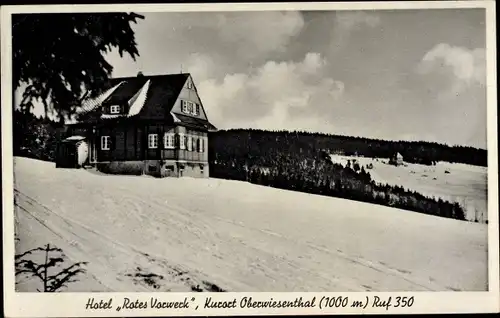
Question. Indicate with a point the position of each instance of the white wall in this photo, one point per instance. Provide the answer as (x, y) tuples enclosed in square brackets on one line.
[(83, 152)]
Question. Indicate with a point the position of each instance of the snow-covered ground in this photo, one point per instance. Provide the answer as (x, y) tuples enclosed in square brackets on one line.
[(236, 236), (464, 184)]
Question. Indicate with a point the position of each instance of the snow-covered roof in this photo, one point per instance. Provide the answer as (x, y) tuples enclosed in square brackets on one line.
[(142, 94), (176, 120), (74, 138), (109, 116), (137, 105), (92, 103)]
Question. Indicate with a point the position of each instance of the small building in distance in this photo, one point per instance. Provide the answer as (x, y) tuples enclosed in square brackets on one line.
[(396, 160)]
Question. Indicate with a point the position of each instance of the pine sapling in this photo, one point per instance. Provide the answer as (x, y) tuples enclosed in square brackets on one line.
[(53, 257)]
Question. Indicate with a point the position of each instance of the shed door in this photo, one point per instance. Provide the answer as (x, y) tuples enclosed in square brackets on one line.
[(67, 155), (92, 150)]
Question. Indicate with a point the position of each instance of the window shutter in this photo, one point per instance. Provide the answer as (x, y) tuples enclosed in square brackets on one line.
[(112, 142), (176, 141), (197, 109), (184, 106)]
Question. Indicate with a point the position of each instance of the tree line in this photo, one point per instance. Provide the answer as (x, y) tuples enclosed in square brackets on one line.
[(300, 162), (34, 137), (254, 143)]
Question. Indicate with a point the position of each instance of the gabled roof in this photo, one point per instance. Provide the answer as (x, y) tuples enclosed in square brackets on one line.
[(144, 92)]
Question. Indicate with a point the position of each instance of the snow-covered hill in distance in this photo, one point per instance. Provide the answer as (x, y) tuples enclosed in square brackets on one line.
[(453, 182), (145, 234)]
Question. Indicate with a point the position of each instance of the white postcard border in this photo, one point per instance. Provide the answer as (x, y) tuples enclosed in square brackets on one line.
[(73, 304)]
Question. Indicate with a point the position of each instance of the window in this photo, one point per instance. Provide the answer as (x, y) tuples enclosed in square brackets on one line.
[(184, 105), (105, 142), (152, 141), (115, 109), (201, 145), (190, 143), (182, 141), (189, 84), (168, 141), (188, 107)]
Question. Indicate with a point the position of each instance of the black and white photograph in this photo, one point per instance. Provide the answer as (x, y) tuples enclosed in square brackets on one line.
[(288, 150)]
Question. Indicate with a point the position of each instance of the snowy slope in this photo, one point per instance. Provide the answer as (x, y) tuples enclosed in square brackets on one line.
[(464, 184), (237, 236)]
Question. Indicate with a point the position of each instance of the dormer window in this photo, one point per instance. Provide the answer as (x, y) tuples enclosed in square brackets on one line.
[(115, 109)]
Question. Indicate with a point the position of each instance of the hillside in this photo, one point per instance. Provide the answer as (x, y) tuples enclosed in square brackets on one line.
[(215, 234), (464, 184), (296, 161)]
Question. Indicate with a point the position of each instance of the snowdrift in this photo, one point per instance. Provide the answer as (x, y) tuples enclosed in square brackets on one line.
[(210, 234)]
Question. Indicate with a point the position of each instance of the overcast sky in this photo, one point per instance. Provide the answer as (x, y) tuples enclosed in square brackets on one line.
[(413, 75)]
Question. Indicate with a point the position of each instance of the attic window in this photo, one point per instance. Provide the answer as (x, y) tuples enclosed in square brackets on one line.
[(115, 109), (189, 84), (184, 106), (190, 108)]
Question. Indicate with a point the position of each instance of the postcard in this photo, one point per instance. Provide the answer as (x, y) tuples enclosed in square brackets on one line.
[(250, 159)]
